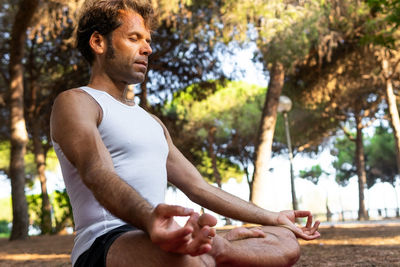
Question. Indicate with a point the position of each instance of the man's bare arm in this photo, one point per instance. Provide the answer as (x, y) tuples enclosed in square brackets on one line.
[(74, 123), (186, 177)]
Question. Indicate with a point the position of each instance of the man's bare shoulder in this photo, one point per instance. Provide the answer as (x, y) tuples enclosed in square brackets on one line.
[(75, 100), (72, 108), (72, 95)]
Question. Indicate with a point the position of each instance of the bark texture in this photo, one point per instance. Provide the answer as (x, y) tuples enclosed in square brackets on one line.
[(361, 173), (211, 151), (266, 132), (393, 111), (40, 159), (19, 136)]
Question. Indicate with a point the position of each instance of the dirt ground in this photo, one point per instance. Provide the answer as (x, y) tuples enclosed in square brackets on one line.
[(340, 245)]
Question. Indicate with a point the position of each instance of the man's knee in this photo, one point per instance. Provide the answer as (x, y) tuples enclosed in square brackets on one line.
[(135, 249), (289, 245)]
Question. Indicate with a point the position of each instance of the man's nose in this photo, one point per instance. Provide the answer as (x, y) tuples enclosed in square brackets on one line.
[(146, 49)]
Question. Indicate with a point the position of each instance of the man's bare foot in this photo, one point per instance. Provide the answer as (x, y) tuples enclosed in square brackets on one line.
[(243, 233), (255, 247)]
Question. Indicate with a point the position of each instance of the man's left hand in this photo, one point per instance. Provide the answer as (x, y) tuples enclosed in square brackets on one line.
[(287, 219)]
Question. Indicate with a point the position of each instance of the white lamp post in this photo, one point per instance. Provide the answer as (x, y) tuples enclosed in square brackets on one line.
[(285, 105)]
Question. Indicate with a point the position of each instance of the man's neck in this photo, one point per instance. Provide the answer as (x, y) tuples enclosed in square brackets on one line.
[(120, 91)]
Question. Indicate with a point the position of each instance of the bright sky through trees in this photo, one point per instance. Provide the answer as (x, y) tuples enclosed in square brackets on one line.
[(310, 196)]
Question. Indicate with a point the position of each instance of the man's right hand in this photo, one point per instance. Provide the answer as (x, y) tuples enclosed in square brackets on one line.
[(194, 238)]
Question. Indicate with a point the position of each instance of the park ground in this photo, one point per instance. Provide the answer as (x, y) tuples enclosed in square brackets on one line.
[(354, 244)]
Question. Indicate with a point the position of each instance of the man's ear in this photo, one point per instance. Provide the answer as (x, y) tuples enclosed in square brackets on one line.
[(98, 43)]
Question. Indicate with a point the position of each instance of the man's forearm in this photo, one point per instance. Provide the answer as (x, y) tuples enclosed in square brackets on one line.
[(118, 197), (231, 206)]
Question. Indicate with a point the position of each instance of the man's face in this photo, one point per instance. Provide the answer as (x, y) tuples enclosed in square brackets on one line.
[(126, 58)]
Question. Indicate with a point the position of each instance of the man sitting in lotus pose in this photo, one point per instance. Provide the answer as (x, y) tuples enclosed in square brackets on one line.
[(116, 160)]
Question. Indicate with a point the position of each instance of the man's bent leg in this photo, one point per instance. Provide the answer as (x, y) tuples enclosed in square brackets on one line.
[(278, 248), (135, 248)]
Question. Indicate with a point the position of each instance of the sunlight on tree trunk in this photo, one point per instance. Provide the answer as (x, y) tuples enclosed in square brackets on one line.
[(360, 163), (40, 159), (19, 136), (213, 156), (249, 182), (393, 111), (266, 133)]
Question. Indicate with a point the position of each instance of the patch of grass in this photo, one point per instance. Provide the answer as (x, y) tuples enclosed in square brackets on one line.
[(5, 209), (4, 235)]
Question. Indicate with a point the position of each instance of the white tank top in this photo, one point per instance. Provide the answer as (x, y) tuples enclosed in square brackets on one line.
[(139, 151)]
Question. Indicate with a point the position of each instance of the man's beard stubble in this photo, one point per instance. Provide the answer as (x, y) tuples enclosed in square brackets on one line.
[(110, 54)]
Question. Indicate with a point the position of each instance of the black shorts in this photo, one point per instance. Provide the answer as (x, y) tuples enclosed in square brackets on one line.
[(96, 255)]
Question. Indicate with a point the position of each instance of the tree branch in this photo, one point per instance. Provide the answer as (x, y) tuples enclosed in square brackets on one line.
[(347, 133)]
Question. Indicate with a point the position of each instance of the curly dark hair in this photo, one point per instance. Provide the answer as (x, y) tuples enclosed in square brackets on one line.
[(103, 16)]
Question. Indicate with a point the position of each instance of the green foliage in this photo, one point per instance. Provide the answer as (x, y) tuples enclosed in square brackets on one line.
[(232, 109), (34, 210), (381, 157), (5, 209), (235, 107), (389, 8), (4, 228), (62, 210), (385, 20), (30, 165), (309, 129), (344, 150), (313, 174), (51, 160), (286, 30), (4, 156), (227, 168)]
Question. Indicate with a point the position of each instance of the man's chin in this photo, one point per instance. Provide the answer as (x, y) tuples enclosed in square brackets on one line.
[(136, 78)]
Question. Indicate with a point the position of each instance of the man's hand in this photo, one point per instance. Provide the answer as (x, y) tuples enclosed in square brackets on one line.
[(287, 219), (194, 238)]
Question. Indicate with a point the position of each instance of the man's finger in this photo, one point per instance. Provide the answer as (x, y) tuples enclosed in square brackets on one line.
[(302, 213), (207, 219), (165, 210), (309, 221), (192, 221), (174, 236), (258, 232), (201, 250), (201, 242), (315, 227), (212, 233)]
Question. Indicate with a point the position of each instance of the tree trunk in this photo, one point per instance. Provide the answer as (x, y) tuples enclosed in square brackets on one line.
[(289, 144), (34, 122), (40, 159), (397, 200), (266, 132), (393, 112), (19, 136), (211, 152), (361, 173), (249, 182)]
